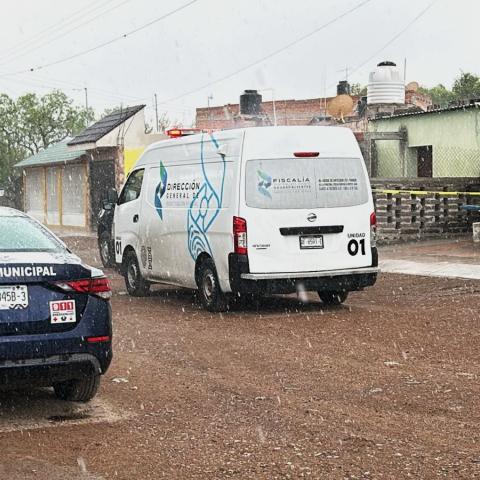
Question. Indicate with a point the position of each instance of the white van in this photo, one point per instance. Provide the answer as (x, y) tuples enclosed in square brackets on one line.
[(249, 211)]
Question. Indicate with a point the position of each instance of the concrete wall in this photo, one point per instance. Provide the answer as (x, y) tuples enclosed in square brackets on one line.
[(454, 136)]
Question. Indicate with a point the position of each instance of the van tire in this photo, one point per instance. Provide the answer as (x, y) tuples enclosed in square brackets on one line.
[(332, 297), (78, 390), (104, 246), (136, 285), (211, 296)]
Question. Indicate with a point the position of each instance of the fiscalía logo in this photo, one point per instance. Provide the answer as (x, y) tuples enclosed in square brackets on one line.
[(264, 183), (160, 190)]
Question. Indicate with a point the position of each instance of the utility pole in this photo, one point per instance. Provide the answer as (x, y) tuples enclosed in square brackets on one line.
[(156, 112), (86, 99), (210, 97)]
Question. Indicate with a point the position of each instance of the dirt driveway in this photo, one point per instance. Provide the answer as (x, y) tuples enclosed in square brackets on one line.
[(386, 386)]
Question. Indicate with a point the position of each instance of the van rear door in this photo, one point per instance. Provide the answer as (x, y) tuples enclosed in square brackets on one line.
[(307, 214)]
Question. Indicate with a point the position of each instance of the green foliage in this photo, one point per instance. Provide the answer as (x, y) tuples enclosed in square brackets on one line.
[(32, 123), (358, 89), (465, 87), (440, 94)]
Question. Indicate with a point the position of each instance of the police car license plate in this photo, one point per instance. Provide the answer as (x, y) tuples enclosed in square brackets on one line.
[(63, 311), (14, 297), (311, 241)]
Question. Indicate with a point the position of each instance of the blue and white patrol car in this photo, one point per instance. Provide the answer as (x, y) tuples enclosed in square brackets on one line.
[(55, 315)]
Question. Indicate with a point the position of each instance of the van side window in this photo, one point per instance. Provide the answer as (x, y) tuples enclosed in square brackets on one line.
[(133, 187)]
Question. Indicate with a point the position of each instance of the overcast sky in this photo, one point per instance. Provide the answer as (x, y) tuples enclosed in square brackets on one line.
[(211, 39)]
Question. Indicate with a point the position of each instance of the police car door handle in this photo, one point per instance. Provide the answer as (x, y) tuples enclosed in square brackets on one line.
[(135, 218)]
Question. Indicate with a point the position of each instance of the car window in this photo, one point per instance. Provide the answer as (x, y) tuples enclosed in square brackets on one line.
[(22, 234), (133, 186), (305, 183)]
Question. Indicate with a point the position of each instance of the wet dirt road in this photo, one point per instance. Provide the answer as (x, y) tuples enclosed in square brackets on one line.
[(386, 386)]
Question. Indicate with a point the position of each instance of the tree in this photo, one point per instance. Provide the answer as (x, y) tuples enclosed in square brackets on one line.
[(357, 89), (32, 123), (440, 95), (466, 86)]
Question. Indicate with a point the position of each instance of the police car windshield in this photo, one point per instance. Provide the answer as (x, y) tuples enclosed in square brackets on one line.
[(21, 234)]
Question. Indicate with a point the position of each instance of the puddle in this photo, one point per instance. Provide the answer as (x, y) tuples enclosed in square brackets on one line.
[(28, 410)]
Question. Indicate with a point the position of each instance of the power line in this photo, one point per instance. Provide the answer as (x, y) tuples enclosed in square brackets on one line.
[(104, 44), (397, 35), (49, 84), (53, 28), (76, 27), (272, 54)]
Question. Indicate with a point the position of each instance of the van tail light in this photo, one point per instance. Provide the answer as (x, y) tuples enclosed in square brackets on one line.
[(99, 286), (240, 235), (306, 154), (373, 229)]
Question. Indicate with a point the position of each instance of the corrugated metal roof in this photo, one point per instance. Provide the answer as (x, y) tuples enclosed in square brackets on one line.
[(475, 104), (57, 153), (99, 129)]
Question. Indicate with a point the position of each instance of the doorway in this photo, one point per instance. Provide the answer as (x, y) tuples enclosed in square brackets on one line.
[(424, 161)]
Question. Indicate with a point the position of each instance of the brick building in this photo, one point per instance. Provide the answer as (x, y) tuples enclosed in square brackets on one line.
[(287, 112), (311, 111)]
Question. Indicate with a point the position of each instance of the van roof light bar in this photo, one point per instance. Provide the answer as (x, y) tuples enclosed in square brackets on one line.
[(182, 132)]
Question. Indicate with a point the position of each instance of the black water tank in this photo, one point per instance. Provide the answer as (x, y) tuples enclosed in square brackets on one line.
[(250, 102), (343, 88), (387, 63)]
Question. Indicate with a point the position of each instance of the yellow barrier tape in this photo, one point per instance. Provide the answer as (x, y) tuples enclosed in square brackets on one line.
[(425, 192)]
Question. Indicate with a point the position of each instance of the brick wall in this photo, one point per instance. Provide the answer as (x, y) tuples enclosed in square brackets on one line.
[(288, 112)]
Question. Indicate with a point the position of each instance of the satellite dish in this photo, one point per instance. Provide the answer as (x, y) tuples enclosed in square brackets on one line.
[(412, 87), (340, 107)]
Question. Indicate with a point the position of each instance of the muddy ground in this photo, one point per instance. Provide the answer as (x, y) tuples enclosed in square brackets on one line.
[(386, 386)]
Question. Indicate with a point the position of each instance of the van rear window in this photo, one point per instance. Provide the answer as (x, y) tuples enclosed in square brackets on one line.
[(305, 183)]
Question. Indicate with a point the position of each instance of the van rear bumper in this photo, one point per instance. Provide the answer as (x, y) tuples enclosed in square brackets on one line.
[(326, 273), (242, 281)]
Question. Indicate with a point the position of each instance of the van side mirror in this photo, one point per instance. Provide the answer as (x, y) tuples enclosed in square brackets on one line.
[(106, 205)]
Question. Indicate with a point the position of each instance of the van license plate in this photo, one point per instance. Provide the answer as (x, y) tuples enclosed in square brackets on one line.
[(13, 297), (311, 241)]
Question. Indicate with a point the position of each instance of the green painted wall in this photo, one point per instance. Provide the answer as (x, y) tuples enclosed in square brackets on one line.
[(454, 136)]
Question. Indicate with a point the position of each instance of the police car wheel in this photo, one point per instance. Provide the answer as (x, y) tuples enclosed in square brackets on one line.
[(211, 296), (136, 285), (104, 245), (333, 298), (78, 390)]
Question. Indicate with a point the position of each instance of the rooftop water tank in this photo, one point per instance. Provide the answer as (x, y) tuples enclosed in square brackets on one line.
[(385, 85), (250, 102)]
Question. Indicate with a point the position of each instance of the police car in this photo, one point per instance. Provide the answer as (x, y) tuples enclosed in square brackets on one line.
[(55, 316)]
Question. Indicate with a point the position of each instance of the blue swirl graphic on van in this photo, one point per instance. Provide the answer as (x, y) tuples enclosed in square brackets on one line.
[(264, 183), (205, 207), (160, 190)]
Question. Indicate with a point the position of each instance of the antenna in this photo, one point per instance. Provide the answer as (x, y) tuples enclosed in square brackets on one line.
[(346, 72)]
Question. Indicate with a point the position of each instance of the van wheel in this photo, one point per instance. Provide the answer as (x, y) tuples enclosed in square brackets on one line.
[(136, 285), (104, 245), (78, 390), (333, 298), (212, 298)]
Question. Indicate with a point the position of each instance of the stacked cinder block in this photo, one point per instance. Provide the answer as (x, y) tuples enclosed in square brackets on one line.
[(405, 214)]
